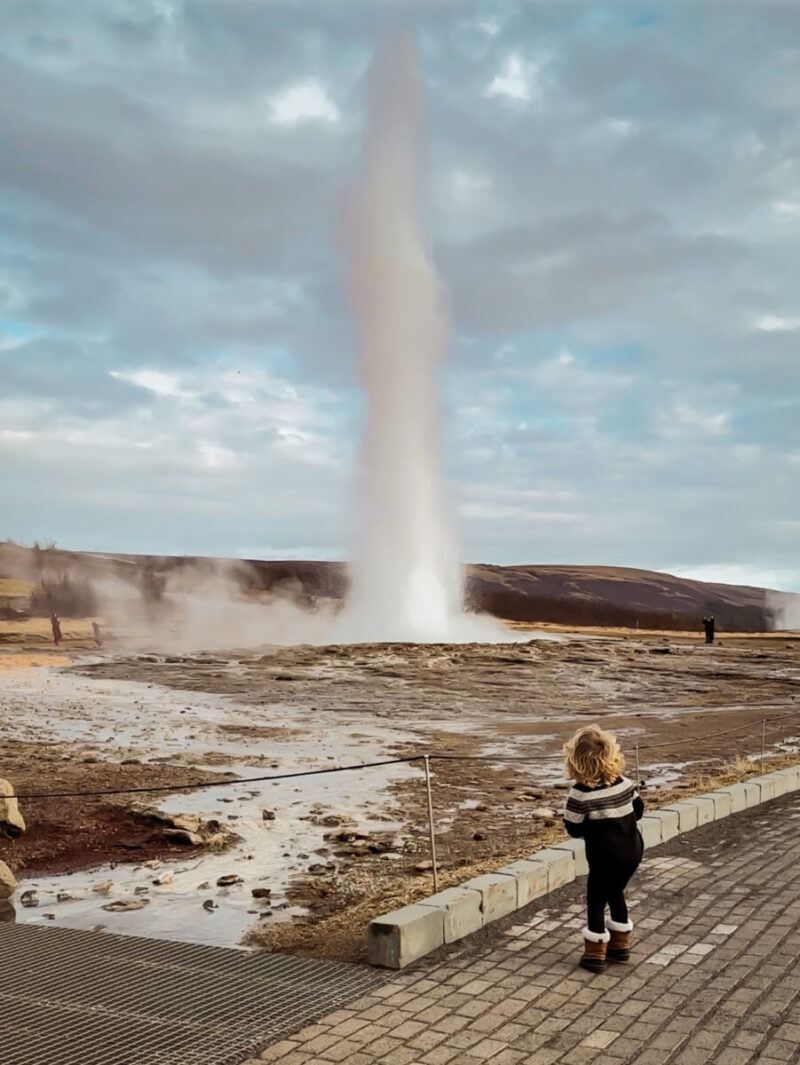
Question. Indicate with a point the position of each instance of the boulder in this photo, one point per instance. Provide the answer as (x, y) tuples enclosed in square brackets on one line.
[(12, 822), (8, 882)]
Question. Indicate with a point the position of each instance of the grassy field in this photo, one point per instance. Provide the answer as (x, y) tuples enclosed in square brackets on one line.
[(34, 631), (666, 634)]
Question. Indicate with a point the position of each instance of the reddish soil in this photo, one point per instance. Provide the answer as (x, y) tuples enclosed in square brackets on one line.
[(64, 835)]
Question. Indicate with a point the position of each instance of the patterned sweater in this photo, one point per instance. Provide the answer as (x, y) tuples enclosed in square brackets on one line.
[(605, 817)]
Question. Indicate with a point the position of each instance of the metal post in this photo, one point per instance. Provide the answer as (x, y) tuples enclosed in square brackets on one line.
[(638, 776), (430, 823), (763, 731)]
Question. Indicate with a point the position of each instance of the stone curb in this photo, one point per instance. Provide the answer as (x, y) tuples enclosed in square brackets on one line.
[(399, 938)]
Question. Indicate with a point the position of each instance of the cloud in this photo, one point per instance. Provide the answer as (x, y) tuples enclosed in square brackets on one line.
[(518, 80), (776, 323), (611, 201), (305, 101)]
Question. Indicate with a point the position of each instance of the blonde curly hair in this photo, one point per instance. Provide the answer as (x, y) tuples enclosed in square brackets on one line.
[(593, 757)]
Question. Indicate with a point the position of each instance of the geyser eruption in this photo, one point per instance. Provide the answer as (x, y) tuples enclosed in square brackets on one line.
[(406, 576)]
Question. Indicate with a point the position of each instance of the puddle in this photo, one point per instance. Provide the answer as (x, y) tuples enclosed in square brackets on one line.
[(658, 774), (119, 719)]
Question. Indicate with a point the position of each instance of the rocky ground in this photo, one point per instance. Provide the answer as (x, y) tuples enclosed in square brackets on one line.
[(63, 835), (335, 850)]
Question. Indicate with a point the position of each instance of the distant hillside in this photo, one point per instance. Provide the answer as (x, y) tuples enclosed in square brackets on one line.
[(612, 595), (569, 595)]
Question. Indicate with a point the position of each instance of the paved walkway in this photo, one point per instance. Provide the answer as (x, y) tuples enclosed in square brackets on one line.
[(715, 975)]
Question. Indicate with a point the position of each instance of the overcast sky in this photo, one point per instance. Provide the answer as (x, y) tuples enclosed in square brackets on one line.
[(613, 200)]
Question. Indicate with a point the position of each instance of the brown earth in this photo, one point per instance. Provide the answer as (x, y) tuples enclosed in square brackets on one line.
[(505, 701), (64, 835), (505, 709)]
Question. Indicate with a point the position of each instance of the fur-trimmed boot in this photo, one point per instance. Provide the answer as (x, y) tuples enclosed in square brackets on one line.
[(619, 945), (594, 950)]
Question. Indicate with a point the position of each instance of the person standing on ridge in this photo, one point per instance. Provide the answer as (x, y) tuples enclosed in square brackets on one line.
[(55, 625), (708, 625)]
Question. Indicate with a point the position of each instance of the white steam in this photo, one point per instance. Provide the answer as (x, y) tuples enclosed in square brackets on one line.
[(407, 582), (785, 607)]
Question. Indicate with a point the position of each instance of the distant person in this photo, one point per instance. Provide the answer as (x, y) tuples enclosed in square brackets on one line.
[(98, 635), (55, 625), (708, 625), (602, 809)]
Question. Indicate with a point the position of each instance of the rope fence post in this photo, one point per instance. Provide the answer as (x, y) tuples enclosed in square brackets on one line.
[(430, 823), (763, 740)]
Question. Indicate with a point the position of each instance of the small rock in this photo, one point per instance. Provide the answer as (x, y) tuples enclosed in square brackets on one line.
[(164, 879), (317, 868), (481, 807), (141, 890), (478, 836), (131, 761), (261, 893), (303, 857), (183, 835), (154, 863), (267, 815), (423, 867), (29, 898), (49, 916), (126, 905), (209, 905), (228, 880), (64, 896), (204, 886), (8, 882), (104, 887)]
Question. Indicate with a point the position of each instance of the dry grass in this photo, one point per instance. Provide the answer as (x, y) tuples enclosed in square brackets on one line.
[(14, 589), (38, 631), (663, 634)]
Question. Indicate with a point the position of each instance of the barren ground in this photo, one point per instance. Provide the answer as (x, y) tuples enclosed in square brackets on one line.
[(284, 709)]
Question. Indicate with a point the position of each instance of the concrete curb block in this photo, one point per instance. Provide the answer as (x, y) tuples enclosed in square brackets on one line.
[(462, 909), (398, 938), (498, 893)]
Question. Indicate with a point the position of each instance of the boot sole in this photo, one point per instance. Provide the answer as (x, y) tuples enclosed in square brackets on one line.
[(592, 965), (621, 956)]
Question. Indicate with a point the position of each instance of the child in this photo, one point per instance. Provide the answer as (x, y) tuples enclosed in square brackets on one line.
[(602, 808)]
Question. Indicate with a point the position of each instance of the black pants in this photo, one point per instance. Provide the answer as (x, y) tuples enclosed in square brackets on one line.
[(606, 886)]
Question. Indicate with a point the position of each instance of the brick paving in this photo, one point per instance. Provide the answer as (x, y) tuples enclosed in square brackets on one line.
[(715, 975)]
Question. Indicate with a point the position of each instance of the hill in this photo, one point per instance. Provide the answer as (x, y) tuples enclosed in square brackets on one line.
[(568, 595)]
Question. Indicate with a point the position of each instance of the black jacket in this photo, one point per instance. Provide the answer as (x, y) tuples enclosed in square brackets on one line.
[(605, 817)]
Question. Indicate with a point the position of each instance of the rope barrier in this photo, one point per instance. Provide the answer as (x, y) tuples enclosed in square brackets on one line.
[(714, 735), (198, 784)]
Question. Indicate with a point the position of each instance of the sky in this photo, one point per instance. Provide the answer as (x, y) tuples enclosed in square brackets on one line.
[(612, 199)]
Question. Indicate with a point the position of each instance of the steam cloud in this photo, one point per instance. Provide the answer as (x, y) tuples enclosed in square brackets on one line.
[(407, 582)]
